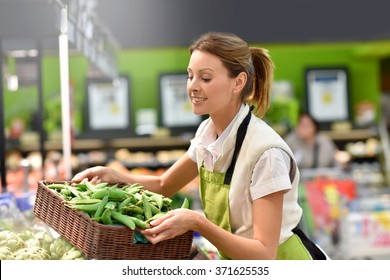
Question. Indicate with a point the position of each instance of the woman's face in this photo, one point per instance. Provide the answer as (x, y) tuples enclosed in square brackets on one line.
[(209, 86), (306, 129)]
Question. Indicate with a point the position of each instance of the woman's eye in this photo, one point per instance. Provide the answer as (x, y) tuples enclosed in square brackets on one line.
[(206, 80)]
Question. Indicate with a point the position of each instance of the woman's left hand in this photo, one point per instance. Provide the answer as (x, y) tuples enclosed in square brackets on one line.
[(172, 224)]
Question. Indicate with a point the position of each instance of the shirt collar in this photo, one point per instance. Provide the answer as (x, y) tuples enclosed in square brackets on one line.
[(214, 146)]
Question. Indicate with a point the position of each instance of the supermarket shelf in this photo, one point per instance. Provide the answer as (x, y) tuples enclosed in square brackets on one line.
[(351, 135), (57, 145), (138, 143), (147, 143), (164, 142)]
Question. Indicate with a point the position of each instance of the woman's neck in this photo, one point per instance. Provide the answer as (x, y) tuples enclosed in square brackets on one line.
[(222, 119)]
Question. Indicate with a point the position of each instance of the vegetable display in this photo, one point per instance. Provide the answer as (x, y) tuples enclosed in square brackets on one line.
[(129, 205), (28, 245)]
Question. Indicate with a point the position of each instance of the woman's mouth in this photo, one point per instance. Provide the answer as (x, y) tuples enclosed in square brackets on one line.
[(198, 99)]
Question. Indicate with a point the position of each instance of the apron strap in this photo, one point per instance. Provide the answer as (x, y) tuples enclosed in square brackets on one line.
[(313, 249), (241, 132), (315, 155)]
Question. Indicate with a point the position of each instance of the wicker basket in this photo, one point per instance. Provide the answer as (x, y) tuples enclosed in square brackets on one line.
[(99, 241)]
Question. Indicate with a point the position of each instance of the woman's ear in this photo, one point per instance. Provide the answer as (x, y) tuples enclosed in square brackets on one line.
[(240, 82)]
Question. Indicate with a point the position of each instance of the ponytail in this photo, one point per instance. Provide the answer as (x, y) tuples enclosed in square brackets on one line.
[(262, 80)]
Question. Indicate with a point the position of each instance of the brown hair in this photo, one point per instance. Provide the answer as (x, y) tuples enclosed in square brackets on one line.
[(238, 57)]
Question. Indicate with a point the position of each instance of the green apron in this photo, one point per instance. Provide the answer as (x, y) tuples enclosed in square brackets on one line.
[(214, 194)]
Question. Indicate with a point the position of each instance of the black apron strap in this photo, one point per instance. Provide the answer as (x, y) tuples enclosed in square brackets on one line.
[(241, 132), (313, 249), (315, 155)]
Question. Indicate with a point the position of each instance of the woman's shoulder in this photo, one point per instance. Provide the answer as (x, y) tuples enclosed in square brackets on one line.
[(326, 142), (322, 137), (261, 124), (261, 129), (274, 153)]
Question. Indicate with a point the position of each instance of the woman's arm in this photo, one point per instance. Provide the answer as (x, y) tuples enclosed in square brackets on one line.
[(267, 217), (176, 177)]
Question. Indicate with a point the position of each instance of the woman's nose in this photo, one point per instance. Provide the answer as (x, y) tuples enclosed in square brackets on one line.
[(192, 85)]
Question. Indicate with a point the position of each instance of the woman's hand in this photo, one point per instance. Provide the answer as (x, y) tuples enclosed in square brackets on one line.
[(99, 174), (172, 224)]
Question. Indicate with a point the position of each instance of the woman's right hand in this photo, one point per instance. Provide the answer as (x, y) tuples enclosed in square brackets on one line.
[(99, 174), (173, 223)]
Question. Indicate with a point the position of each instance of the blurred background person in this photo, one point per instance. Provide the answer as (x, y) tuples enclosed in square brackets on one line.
[(312, 149)]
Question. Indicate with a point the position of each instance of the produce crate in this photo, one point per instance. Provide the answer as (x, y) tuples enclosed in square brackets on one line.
[(99, 241)]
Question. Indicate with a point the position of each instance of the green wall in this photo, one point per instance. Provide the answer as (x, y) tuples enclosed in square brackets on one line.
[(143, 67), (364, 73)]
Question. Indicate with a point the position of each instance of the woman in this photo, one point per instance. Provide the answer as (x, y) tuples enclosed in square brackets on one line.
[(248, 176), (311, 148)]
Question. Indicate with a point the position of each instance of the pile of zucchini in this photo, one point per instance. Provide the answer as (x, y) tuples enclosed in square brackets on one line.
[(129, 205)]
